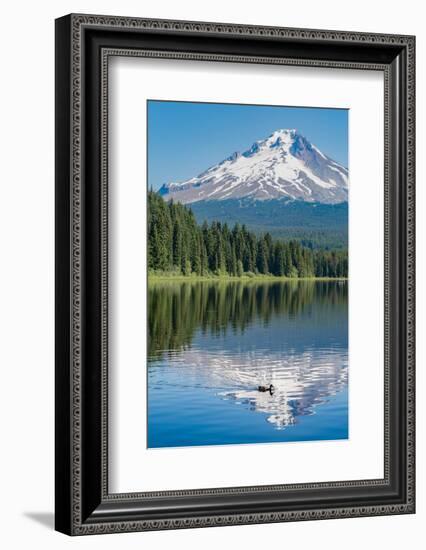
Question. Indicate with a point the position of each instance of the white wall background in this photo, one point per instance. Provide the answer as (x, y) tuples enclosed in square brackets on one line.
[(26, 288)]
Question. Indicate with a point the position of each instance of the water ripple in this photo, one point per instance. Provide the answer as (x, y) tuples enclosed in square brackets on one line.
[(211, 345), (301, 381)]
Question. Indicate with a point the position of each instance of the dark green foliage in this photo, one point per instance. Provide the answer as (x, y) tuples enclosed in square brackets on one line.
[(240, 269), (262, 264), (177, 243), (314, 225)]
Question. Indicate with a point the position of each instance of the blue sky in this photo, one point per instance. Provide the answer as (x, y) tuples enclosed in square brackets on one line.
[(185, 138)]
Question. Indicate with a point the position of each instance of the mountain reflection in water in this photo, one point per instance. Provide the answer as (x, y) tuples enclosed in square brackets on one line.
[(212, 343)]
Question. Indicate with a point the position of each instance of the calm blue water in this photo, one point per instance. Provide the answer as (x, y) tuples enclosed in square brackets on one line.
[(212, 344)]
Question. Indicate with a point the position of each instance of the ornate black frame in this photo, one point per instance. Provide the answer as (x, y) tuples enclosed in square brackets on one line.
[(83, 46)]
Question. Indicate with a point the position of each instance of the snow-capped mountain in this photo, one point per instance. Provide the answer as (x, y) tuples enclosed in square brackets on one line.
[(284, 165)]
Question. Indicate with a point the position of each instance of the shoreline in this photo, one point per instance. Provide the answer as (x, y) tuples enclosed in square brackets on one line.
[(152, 279)]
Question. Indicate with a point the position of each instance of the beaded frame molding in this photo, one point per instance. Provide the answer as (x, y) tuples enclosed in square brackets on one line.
[(84, 44)]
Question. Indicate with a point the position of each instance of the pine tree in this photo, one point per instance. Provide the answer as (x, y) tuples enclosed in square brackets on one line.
[(177, 244), (176, 241), (262, 256), (240, 270), (279, 259)]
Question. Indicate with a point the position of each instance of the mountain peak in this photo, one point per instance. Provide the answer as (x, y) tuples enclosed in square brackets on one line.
[(285, 164), (284, 132)]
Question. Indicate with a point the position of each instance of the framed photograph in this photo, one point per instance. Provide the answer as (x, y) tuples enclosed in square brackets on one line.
[(234, 274)]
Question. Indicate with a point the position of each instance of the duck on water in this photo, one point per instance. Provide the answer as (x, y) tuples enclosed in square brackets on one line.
[(269, 389)]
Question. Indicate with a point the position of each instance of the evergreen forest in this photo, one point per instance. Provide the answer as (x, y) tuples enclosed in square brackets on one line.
[(179, 245)]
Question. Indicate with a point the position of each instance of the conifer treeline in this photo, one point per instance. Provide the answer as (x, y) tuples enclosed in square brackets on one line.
[(177, 243)]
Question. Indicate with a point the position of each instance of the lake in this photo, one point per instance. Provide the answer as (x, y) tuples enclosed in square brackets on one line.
[(212, 344)]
